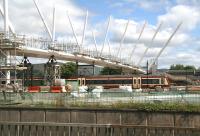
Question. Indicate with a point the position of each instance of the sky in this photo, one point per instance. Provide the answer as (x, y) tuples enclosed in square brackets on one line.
[(183, 49)]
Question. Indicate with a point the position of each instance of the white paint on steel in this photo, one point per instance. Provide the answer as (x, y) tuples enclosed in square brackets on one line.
[(95, 42), (166, 44), (6, 27), (6, 32), (40, 53), (122, 39), (106, 34), (53, 26), (84, 29), (44, 22), (11, 28), (109, 48), (133, 50), (147, 48), (72, 27)]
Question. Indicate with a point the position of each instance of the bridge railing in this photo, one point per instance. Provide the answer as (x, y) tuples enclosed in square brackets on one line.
[(71, 48)]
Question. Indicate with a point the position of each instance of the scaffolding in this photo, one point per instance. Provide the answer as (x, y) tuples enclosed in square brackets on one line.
[(52, 71), (8, 62)]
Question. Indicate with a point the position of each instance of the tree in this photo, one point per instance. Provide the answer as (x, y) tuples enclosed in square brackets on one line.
[(182, 67), (68, 69), (177, 67), (188, 67), (110, 71)]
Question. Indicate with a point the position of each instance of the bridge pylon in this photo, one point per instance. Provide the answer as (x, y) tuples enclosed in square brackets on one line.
[(52, 71)]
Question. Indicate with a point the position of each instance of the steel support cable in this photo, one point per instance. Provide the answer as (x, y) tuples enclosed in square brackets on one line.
[(106, 34), (147, 48), (166, 44), (133, 50)]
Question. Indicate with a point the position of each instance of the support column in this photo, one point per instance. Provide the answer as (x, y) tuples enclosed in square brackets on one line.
[(6, 33), (7, 64), (6, 27)]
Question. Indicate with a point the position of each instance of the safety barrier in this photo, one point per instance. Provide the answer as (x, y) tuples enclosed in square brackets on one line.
[(34, 89), (56, 89)]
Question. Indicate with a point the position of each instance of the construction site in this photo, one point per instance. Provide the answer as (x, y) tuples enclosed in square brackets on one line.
[(139, 101)]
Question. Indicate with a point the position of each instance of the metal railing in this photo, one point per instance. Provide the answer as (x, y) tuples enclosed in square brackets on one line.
[(71, 48)]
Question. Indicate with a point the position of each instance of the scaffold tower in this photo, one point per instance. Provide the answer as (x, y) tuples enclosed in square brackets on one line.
[(52, 71), (8, 60)]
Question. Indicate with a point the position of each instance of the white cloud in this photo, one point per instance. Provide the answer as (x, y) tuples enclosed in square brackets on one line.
[(151, 5), (189, 15), (25, 19)]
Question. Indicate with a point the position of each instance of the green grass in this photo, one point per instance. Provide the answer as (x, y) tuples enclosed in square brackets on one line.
[(174, 107), (142, 106)]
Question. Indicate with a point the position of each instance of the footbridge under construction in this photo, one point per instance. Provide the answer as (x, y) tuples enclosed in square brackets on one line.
[(42, 48), (13, 45)]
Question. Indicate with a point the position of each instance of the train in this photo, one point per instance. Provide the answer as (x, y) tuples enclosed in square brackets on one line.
[(114, 81), (106, 81)]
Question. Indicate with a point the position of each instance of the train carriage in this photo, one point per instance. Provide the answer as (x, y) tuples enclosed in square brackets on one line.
[(109, 81), (116, 81)]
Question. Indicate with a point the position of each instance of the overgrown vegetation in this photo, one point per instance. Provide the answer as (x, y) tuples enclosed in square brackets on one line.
[(144, 106), (110, 71), (150, 107), (68, 69), (182, 67)]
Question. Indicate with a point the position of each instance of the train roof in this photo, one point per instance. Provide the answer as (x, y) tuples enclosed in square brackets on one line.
[(116, 76)]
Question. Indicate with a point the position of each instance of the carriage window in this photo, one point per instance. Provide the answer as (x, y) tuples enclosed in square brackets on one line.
[(150, 81), (138, 81), (126, 81), (134, 81)]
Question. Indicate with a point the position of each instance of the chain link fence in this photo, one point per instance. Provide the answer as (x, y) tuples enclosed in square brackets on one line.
[(103, 98)]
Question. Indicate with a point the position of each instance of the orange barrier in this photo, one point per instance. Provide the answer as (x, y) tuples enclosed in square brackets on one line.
[(56, 89), (34, 89)]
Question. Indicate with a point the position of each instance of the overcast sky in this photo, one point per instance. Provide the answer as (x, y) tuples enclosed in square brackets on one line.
[(183, 49)]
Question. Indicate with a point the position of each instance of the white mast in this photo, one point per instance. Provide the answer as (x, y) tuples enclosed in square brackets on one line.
[(167, 43), (109, 49), (6, 33), (106, 34), (132, 52), (45, 24), (6, 27), (122, 39), (95, 42), (11, 28), (53, 27), (72, 27), (84, 29), (147, 48)]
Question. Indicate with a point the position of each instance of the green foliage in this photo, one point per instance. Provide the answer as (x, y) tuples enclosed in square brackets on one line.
[(69, 69), (37, 73), (142, 106), (182, 67), (110, 71), (188, 67)]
